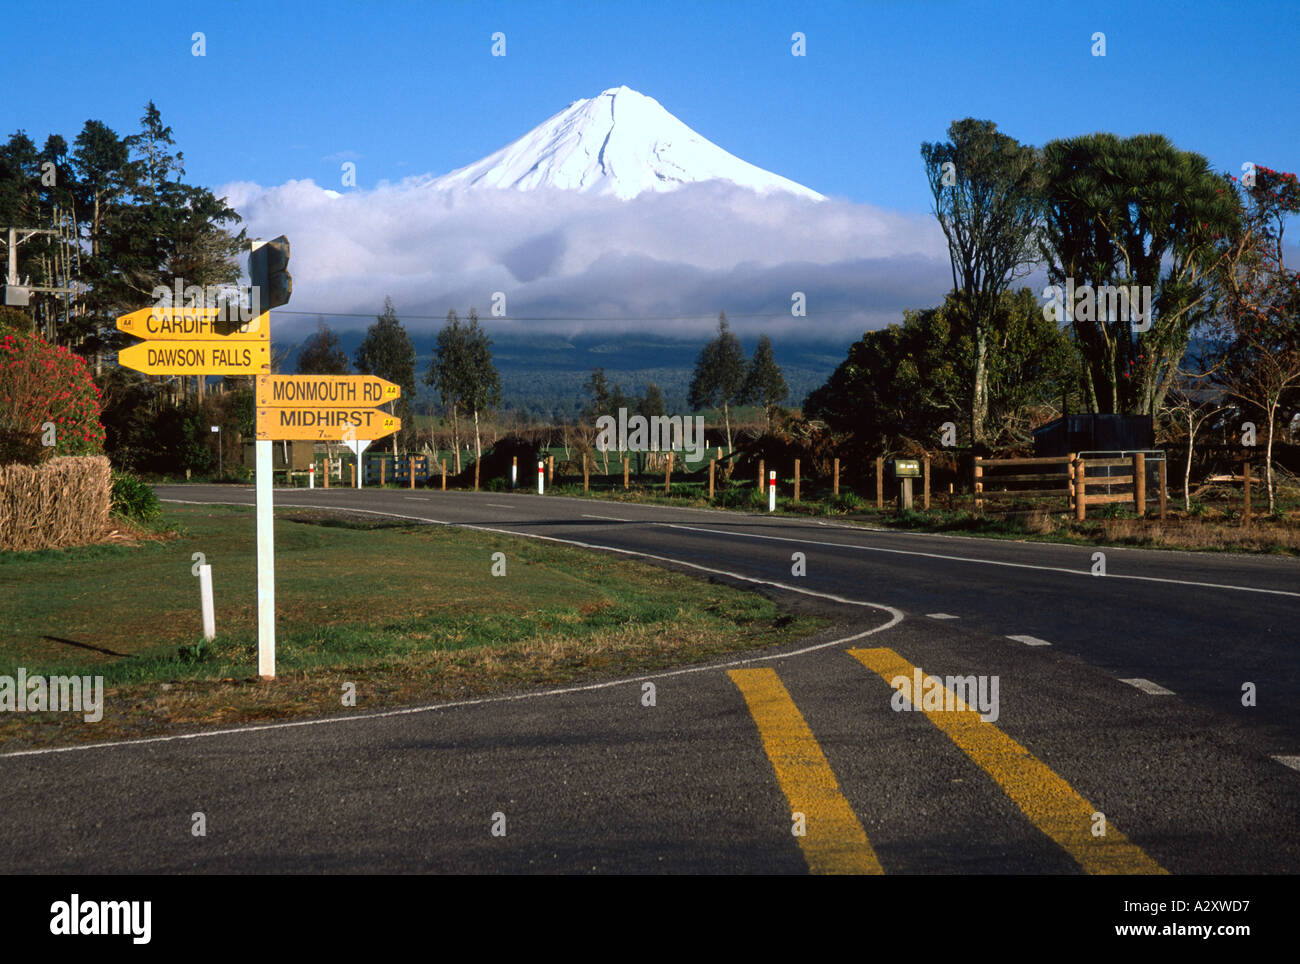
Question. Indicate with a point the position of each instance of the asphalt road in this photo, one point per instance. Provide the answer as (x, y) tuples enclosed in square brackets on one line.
[(1118, 742)]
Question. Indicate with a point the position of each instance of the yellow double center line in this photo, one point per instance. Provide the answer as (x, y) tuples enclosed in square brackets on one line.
[(834, 841), (1050, 803)]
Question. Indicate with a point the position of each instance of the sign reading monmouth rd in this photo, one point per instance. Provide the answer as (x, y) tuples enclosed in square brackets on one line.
[(198, 357), (299, 391), (324, 424), (193, 324)]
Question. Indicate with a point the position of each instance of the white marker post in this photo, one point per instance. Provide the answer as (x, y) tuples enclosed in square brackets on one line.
[(771, 490), (541, 474), (514, 472), (205, 600), (311, 475), (265, 564)]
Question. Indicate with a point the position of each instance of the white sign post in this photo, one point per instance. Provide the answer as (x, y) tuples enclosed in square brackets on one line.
[(265, 563), (771, 491), (357, 446)]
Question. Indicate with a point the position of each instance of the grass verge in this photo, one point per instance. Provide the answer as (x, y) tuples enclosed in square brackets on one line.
[(403, 613)]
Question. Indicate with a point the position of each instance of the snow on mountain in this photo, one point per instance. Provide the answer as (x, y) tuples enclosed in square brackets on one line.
[(620, 143)]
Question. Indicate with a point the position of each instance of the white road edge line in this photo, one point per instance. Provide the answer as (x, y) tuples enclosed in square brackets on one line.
[(986, 562), (1289, 761), (940, 616), (1148, 687), (611, 518), (498, 505), (1030, 640), (896, 617)]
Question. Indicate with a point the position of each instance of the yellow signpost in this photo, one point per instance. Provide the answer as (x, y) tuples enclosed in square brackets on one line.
[(194, 324), (325, 424), (305, 391), (198, 358)]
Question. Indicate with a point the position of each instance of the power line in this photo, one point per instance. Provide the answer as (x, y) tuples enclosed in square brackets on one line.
[(811, 316)]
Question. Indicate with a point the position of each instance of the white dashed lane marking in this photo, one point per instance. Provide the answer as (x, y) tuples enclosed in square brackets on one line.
[(1030, 640), (1148, 687), (939, 616)]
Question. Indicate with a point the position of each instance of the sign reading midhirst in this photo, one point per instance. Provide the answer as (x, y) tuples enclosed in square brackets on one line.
[(325, 407)]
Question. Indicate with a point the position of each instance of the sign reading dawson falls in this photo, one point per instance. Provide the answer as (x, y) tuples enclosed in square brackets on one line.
[(324, 407)]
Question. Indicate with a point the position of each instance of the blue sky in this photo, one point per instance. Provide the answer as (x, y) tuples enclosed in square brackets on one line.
[(290, 90)]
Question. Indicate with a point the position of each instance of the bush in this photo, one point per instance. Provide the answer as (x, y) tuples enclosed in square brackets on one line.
[(44, 387), (498, 485), (133, 499)]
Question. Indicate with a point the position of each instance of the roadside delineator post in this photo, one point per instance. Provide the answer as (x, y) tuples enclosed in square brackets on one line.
[(771, 491), (514, 470), (541, 475), (311, 476), (205, 601)]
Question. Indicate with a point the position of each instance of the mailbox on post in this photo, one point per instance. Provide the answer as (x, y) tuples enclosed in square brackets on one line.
[(905, 470)]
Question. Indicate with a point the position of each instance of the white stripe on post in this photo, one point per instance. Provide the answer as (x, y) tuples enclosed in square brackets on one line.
[(771, 490), (265, 564), (205, 600)]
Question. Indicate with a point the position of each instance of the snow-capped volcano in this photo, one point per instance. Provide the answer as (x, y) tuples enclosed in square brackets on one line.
[(619, 143)]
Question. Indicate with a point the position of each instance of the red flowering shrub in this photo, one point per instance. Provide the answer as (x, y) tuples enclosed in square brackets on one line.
[(41, 385)]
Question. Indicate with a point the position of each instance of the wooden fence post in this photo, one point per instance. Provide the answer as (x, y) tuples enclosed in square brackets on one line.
[(352, 475), (550, 470), (411, 462), (796, 480), (979, 483), (880, 482), (835, 483), (712, 466), (762, 476), (1080, 490), (668, 472), (1246, 478), (327, 470), (950, 495), (584, 473), (444, 475), (383, 464), (926, 484), (1139, 483), (1069, 484), (625, 471), (1163, 490)]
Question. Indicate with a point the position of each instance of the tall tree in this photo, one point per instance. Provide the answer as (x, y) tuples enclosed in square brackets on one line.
[(1135, 213), (481, 385), (764, 383), (448, 360), (988, 202), (719, 374), (322, 354), (387, 352), (1259, 308)]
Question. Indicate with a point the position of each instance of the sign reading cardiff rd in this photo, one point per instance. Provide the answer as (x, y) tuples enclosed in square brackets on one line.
[(324, 424), (198, 358), (193, 324), (305, 391)]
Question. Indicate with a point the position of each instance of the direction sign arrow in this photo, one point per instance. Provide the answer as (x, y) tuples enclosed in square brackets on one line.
[(198, 358), (194, 324), (325, 424), (307, 391)]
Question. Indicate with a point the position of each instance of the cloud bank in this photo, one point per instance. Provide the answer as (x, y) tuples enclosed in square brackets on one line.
[(665, 263)]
